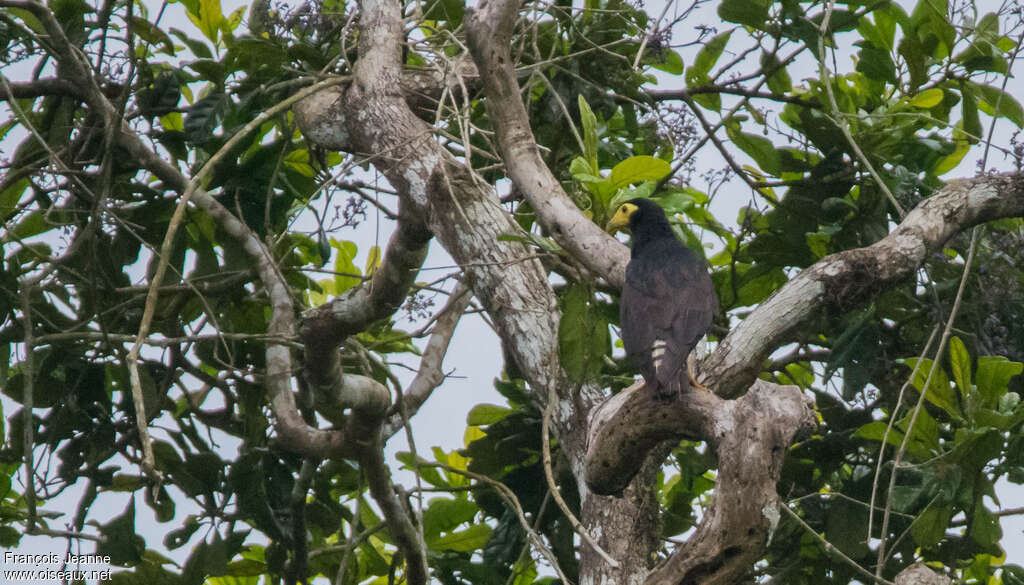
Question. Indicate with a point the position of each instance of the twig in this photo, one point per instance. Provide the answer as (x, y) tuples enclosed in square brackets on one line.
[(429, 375), (545, 438), (888, 430), (924, 392), (510, 498), (164, 342), (831, 549), (27, 405), (838, 117), (38, 531)]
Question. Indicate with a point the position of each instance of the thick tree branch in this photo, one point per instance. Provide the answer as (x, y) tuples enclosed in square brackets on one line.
[(396, 515), (324, 328), (750, 436), (458, 208), (39, 88), (489, 34), (921, 574), (849, 278), (430, 375)]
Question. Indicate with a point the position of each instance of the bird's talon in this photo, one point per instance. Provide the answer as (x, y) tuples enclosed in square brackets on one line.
[(695, 384)]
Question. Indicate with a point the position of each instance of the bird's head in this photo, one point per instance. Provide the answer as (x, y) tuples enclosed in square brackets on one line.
[(629, 214), (620, 221)]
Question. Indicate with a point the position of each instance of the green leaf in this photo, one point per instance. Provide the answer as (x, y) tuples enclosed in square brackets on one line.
[(950, 161), (198, 48), (445, 10), (844, 527), (709, 54), (486, 414), (961, 362), (779, 81), (9, 536), (969, 108), (207, 18), (152, 34), (711, 101), (753, 13), (10, 196), (163, 506), (27, 19), (757, 283), (445, 514), (428, 472), (924, 436), (993, 377), (468, 540), (876, 430), (211, 558), (998, 103), (757, 147), (33, 224), (582, 333), (876, 63), (1008, 402), (638, 168), (665, 60), (579, 167), (373, 260), (974, 448), (344, 264), (939, 391), (120, 541), (506, 541), (177, 538), (930, 526), (928, 98), (985, 527), (229, 24), (987, 27), (589, 121), (1012, 575)]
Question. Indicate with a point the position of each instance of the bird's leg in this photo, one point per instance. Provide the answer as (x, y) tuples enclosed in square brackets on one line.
[(691, 361), (695, 384)]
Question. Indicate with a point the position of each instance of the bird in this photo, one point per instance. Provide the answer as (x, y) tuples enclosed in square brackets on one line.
[(668, 299)]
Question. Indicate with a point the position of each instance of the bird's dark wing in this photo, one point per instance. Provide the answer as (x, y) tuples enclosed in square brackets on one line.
[(668, 301)]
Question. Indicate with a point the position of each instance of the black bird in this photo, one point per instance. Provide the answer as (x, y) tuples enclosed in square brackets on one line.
[(667, 302)]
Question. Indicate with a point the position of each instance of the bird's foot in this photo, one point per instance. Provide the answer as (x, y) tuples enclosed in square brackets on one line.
[(695, 384)]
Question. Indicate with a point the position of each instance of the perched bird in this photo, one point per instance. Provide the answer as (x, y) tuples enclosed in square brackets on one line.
[(667, 302)]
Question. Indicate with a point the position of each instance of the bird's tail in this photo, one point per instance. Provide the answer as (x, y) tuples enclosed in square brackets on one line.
[(672, 388)]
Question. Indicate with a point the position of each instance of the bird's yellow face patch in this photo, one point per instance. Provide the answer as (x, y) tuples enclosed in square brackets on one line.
[(620, 221)]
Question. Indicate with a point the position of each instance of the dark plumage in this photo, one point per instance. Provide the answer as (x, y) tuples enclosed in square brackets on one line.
[(667, 302)]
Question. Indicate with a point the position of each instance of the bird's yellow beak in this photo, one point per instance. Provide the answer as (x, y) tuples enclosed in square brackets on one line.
[(620, 221)]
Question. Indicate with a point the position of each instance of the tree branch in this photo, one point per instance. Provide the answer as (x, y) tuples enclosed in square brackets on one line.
[(39, 88), (397, 517), (750, 436), (324, 328), (489, 34), (662, 95), (849, 278), (430, 374)]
